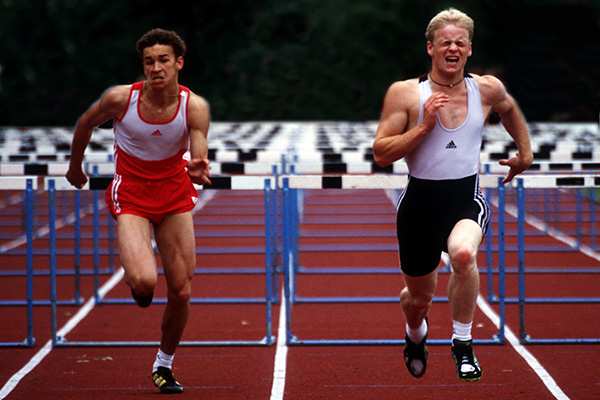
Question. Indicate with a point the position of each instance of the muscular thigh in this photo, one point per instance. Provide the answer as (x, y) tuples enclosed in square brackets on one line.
[(428, 211), (177, 246), (135, 246), (419, 231)]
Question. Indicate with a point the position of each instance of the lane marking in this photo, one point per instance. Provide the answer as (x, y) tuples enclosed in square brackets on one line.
[(512, 339), (555, 233), (540, 371), (279, 371), (72, 323), (79, 316), (45, 230)]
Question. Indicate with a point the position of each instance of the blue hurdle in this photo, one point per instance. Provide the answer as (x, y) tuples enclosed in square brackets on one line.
[(244, 183), (291, 185), (549, 182), (28, 184)]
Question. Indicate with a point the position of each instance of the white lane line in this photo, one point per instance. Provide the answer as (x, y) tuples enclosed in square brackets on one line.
[(514, 342), (555, 233), (280, 355), (80, 315), (72, 323), (540, 371), (44, 230), (512, 339)]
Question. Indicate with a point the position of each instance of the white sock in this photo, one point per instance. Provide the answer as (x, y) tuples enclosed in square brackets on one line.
[(461, 331), (417, 335), (163, 360)]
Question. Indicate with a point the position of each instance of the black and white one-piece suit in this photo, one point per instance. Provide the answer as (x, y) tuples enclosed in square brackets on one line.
[(443, 186)]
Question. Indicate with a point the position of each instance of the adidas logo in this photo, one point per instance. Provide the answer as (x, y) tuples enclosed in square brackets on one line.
[(451, 145), (156, 133)]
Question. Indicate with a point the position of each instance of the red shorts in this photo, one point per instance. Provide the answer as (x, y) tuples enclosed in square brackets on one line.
[(151, 199)]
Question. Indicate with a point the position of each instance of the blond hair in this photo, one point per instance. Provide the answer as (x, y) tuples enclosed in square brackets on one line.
[(450, 16)]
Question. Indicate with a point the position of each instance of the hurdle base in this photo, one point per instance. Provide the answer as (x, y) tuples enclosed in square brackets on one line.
[(527, 339), (266, 341), (29, 342), (294, 341)]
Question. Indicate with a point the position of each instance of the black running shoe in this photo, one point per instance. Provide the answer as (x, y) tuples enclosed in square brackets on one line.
[(467, 367), (142, 301), (164, 380), (415, 356)]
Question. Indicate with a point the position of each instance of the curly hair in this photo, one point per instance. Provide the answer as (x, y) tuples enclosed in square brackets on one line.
[(162, 36)]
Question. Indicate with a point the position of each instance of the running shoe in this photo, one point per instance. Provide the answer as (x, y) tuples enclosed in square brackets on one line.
[(164, 380), (467, 367), (415, 356), (142, 301)]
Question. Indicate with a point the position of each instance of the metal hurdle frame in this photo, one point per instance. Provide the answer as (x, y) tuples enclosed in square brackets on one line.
[(547, 182), (28, 184), (40, 232), (291, 183), (578, 220), (267, 184)]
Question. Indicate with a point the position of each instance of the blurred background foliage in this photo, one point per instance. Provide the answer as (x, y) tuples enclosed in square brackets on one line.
[(259, 60)]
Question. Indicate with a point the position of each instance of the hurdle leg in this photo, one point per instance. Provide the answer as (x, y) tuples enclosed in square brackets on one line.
[(521, 259), (30, 340), (287, 265), (501, 259), (488, 252), (77, 245), (268, 264), (52, 254), (592, 219)]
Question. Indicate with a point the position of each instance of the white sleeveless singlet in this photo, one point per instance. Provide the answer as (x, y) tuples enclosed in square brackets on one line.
[(449, 153), (151, 150)]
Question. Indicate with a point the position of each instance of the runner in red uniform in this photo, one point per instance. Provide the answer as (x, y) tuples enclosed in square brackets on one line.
[(155, 122)]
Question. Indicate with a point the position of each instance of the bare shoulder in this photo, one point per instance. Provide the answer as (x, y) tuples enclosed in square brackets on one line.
[(115, 99), (198, 104), (401, 97), (491, 88), (198, 112), (403, 90), (111, 105), (117, 95)]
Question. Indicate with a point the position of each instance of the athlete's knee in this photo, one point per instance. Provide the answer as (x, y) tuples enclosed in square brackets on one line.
[(417, 301), (141, 283), (463, 258), (180, 294)]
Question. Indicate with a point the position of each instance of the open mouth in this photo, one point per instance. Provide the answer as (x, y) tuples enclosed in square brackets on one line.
[(452, 60)]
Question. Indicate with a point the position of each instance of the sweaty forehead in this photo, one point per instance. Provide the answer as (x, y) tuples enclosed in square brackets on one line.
[(451, 32)]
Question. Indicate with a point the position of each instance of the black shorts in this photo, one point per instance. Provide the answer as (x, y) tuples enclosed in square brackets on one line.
[(428, 210)]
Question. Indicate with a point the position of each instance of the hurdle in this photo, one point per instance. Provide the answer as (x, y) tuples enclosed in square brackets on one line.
[(266, 184), (29, 185), (550, 182), (290, 185), (40, 230), (554, 214)]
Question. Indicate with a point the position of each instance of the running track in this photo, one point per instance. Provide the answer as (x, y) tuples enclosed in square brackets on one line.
[(301, 372)]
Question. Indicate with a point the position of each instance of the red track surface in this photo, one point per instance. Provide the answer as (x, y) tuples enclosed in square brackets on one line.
[(313, 372)]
